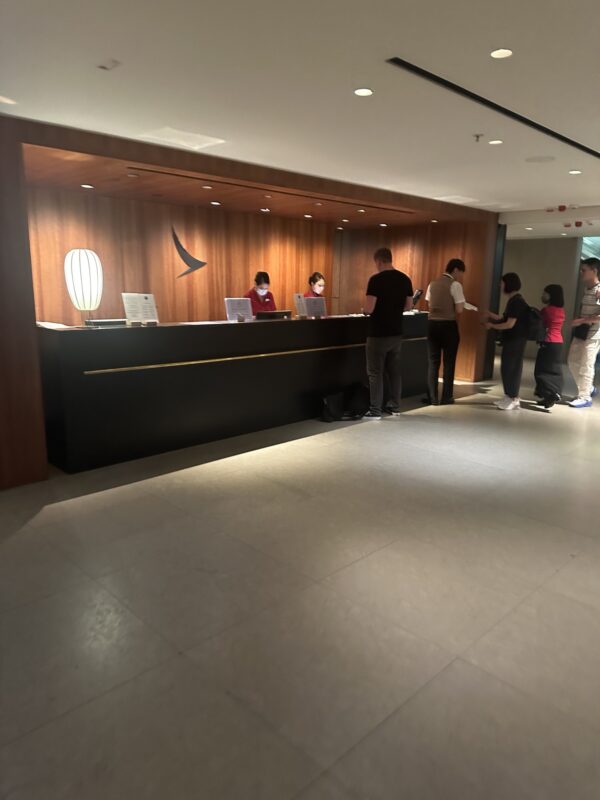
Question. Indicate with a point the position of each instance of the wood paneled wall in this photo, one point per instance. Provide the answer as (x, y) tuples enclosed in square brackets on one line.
[(143, 246), (423, 252), (22, 438), (133, 241)]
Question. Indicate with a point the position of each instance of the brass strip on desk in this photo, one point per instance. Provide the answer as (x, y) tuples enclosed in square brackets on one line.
[(232, 358)]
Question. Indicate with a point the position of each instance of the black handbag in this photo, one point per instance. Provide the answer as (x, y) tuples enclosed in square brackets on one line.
[(581, 331)]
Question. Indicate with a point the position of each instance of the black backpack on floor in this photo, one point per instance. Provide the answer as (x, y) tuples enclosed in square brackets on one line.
[(350, 403)]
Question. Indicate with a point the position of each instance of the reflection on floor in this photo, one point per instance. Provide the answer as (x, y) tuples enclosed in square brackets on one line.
[(379, 610)]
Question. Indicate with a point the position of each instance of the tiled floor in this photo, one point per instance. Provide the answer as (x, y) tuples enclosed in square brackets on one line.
[(397, 610)]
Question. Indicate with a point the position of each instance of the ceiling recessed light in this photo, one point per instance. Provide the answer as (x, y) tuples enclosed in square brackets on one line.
[(268, 196), (265, 210), (207, 187), (574, 172), (361, 211), (528, 229), (340, 228), (86, 186), (383, 224), (308, 216), (495, 141), (563, 234), (345, 220), (8, 101), (364, 92), (502, 52), (434, 220), (318, 204), (215, 203)]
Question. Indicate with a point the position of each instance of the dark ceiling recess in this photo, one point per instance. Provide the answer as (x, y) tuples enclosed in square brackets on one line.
[(476, 98)]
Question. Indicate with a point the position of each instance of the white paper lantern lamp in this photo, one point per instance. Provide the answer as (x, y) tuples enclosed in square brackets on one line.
[(83, 274)]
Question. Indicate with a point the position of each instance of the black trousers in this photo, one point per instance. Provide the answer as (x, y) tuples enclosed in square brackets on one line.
[(549, 371), (511, 365), (443, 339), (384, 364)]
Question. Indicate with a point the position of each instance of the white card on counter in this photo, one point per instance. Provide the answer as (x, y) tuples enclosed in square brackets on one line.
[(140, 308)]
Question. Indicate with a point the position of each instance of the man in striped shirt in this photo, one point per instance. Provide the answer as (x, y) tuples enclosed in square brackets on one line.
[(586, 341)]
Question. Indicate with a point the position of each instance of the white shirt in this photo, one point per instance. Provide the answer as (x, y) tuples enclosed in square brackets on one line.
[(456, 290), (590, 307)]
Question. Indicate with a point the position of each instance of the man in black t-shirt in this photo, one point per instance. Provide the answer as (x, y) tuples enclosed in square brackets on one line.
[(389, 295)]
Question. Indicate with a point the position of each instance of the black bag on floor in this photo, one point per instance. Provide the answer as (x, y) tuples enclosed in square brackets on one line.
[(350, 403), (333, 407)]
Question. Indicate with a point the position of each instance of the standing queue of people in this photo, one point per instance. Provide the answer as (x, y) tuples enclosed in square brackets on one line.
[(389, 294)]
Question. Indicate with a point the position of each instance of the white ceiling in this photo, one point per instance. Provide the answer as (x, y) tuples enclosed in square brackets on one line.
[(275, 80)]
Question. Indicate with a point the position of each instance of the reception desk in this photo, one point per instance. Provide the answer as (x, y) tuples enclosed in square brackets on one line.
[(114, 394)]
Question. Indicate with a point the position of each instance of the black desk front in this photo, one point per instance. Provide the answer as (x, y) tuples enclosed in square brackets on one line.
[(116, 394)]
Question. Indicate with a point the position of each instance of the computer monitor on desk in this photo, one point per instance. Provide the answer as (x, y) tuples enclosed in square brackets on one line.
[(315, 307), (262, 315)]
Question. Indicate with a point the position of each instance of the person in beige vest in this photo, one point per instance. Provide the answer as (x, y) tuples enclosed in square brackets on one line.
[(446, 301)]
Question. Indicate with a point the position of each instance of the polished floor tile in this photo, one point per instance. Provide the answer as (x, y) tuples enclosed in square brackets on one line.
[(66, 649), (203, 587), (469, 736), (324, 672), (165, 735), (325, 788), (550, 647), (579, 579), (493, 539), (30, 568), (407, 609), (429, 592)]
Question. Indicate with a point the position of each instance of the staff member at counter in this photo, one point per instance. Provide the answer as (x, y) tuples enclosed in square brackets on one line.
[(446, 300), (316, 283), (260, 296)]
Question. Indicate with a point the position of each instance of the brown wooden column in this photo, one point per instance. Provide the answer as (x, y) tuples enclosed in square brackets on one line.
[(22, 436)]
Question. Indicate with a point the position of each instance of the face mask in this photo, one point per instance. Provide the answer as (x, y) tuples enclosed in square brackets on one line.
[(318, 289), (262, 292), (545, 298)]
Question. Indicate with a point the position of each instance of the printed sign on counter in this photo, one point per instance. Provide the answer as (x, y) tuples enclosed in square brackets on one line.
[(140, 309)]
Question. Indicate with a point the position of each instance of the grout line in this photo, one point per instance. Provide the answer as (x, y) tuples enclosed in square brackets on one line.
[(87, 702)]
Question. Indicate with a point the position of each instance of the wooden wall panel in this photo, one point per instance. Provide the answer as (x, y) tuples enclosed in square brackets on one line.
[(22, 438), (422, 252), (133, 240)]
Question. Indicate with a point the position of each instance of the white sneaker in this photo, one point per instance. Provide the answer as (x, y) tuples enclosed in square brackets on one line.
[(503, 400), (508, 404)]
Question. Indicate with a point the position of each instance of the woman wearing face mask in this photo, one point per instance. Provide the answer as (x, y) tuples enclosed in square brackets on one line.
[(260, 296), (514, 324), (548, 364), (316, 283)]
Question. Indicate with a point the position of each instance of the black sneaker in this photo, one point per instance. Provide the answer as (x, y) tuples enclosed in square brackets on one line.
[(372, 415)]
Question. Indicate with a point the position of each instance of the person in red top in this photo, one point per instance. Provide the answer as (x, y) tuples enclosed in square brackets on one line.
[(260, 296), (317, 285), (549, 362)]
